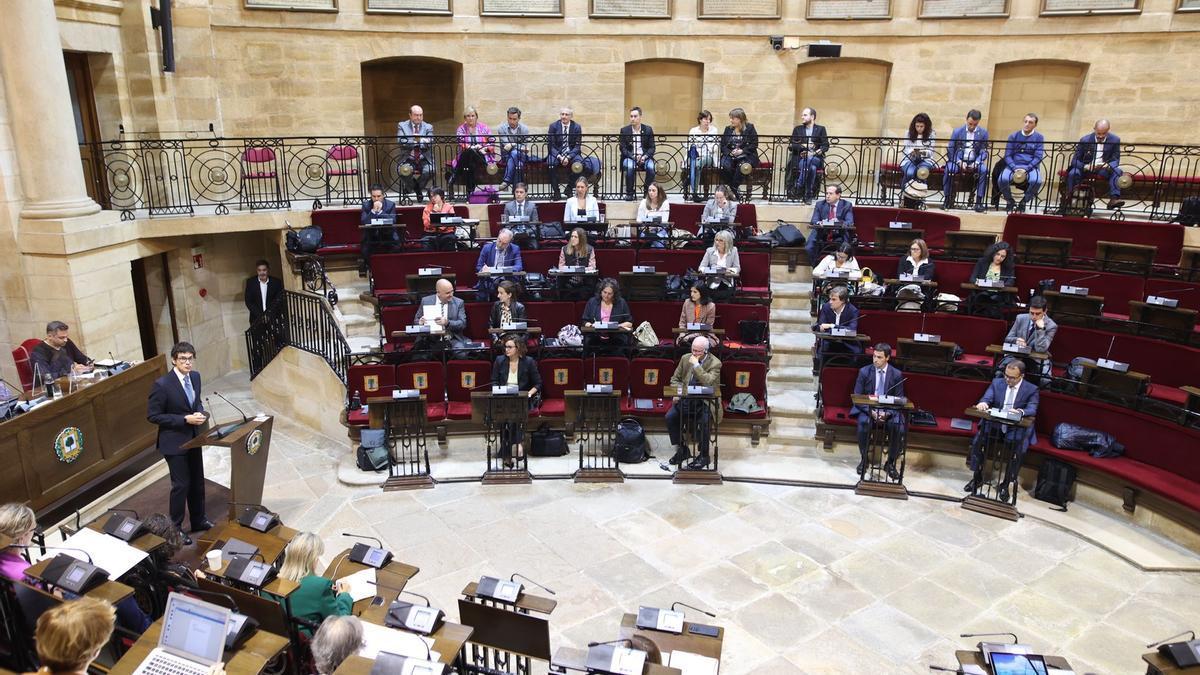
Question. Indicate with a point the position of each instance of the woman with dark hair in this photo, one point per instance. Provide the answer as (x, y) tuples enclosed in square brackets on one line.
[(515, 368), (840, 259), (918, 147), (996, 264), (577, 252), (739, 146), (607, 306), (702, 152), (917, 262), (697, 308), (506, 309), (438, 237)]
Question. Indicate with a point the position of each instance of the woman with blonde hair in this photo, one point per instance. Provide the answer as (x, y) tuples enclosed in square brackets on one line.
[(17, 525), (70, 636), (317, 597)]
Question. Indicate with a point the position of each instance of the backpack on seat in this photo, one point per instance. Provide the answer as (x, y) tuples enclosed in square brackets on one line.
[(630, 446)]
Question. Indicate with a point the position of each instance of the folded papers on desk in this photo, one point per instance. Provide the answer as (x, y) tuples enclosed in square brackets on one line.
[(692, 664), (108, 553), (362, 584), (378, 638)]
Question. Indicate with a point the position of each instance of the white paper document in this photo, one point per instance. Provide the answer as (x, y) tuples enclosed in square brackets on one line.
[(378, 638), (362, 584), (432, 313), (108, 553), (693, 664)]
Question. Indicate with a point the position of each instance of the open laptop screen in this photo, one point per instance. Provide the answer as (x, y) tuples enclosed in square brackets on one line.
[(1017, 664), (194, 629)]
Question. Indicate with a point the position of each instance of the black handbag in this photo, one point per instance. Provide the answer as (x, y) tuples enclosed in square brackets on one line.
[(753, 331), (553, 230), (546, 442)]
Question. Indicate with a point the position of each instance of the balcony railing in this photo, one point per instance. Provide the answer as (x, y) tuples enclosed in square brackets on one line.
[(302, 321), (183, 176)]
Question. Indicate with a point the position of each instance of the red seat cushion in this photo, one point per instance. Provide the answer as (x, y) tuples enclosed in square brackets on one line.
[(357, 418), (1161, 481), (661, 406), (435, 412), (1168, 393), (458, 410), (553, 407)]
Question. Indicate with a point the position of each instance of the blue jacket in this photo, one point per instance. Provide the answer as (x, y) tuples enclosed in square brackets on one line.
[(843, 212), (958, 145), (1024, 152), (487, 256), (893, 384), (1026, 401), (849, 320), (1085, 152)]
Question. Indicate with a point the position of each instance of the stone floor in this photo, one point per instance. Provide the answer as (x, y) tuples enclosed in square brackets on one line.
[(804, 579)]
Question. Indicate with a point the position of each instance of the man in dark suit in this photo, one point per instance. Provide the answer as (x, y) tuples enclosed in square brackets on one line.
[(377, 238), (637, 151), (262, 290), (499, 253), (968, 152), (415, 138), (450, 313), (1011, 392), (833, 208), (837, 313), (808, 146), (175, 408), (874, 380), (1098, 154), (564, 142)]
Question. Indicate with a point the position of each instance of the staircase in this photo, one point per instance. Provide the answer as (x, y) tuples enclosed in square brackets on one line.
[(355, 315), (791, 387)]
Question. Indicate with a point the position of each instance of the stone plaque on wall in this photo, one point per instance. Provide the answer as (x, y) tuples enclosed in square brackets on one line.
[(739, 9), (954, 9), (1087, 6), (630, 9), (297, 5), (849, 9), (409, 6), (520, 7)]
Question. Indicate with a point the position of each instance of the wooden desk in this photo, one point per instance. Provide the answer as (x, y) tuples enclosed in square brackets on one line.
[(1158, 664), (250, 659), (270, 543), (669, 642), (998, 352), (571, 658), (279, 587), (389, 579), (145, 542), (975, 658), (527, 330), (533, 603), (448, 641), (112, 591), (683, 331)]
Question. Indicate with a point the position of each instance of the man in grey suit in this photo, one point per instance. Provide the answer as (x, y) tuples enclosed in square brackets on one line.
[(453, 319), (415, 138), (1034, 330), (520, 207), (514, 140)]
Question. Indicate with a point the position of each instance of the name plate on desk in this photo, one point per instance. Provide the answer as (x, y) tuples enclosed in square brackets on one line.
[(516, 219), (507, 269), (599, 389), (1161, 301), (515, 325), (387, 663), (838, 331), (829, 223), (382, 221), (1073, 290), (643, 269), (989, 283), (699, 326), (452, 220), (504, 389), (886, 399), (406, 393), (906, 277), (1014, 348), (411, 330), (606, 325), (713, 270), (653, 618), (698, 390), (1109, 364), (429, 271), (571, 269), (1010, 415), (926, 337), (898, 225)]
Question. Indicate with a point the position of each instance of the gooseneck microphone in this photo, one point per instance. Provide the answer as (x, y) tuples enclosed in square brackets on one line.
[(682, 604), (1011, 635), (514, 578), (364, 536), (1186, 632), (417, 595), (240, 411), (32, 547)]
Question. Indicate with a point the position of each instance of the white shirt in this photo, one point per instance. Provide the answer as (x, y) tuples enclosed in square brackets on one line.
[(829, 264), (969, 150), (1099, 156), (645, 213), (262, 289), (637, 141), (704, 141)]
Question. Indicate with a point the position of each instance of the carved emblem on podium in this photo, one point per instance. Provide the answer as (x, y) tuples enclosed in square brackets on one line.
[(68, 445), (254, 442)]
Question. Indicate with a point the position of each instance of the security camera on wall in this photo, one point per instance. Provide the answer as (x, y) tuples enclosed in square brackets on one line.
[(777, 42)]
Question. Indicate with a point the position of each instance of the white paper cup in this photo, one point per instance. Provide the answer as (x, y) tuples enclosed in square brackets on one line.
[(214, 558)]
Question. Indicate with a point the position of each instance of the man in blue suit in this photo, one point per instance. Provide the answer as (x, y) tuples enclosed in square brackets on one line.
[(564, 141), (637, 152), (499, 253), (415, 138), (876, 379), (968, 152), (175, 407), (377, 238), (837, 313), (1098, 154), (1011, 392), (1025, 150), (834, 208)]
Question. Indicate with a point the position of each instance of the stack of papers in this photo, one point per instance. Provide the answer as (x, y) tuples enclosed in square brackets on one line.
[(362, 584), (693, 664), (378, 638), (108, 553)]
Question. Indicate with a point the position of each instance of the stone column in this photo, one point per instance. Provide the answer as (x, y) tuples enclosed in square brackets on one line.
[(43, 125)]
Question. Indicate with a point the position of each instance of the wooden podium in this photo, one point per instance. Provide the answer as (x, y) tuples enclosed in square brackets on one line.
[(881, 438), (249, 446), (697, 428), (595, 418), (999, 453), (504, 418)]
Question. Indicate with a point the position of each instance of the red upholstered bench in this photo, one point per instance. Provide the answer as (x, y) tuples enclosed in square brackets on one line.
[(749, 377), (647, 377), (340, 233), (1085, 232), (934, 223)]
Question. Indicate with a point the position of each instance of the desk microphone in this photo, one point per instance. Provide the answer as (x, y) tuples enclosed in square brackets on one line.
[(1072, 283), (31, 547), (682, 604), (897, 384), (240, 412), (623, 641), (364, 536), (1186, 632), (226, 429), (944, 669), (1016, 640), (1111, 343), (514, 578), (214, 594)]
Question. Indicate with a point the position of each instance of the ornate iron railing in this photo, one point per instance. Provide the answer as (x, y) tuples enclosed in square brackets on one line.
[(157, 177), (302, 321)]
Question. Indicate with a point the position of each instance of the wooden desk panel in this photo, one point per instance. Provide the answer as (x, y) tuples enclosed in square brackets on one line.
[(669, 642), (390, 580), (112, 591)]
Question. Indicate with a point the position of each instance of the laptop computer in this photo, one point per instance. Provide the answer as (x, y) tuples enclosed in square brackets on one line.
[(1004, 663), (192, 638)]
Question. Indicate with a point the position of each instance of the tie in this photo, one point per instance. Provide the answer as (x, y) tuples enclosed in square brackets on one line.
[(188, 391), (1010, 398), (879, 382), (443, 310), (1032, 327), (520, 208)]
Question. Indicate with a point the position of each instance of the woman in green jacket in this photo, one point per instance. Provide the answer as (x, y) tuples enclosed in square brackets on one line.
[(317, 597)]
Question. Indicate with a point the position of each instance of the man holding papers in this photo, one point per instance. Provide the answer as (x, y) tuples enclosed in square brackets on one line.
[(445, 315)]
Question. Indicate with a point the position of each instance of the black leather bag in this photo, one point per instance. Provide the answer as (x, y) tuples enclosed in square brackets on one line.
[(787, 234), (306, 240), (1055, 481), (753, 331), (546, 442)]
